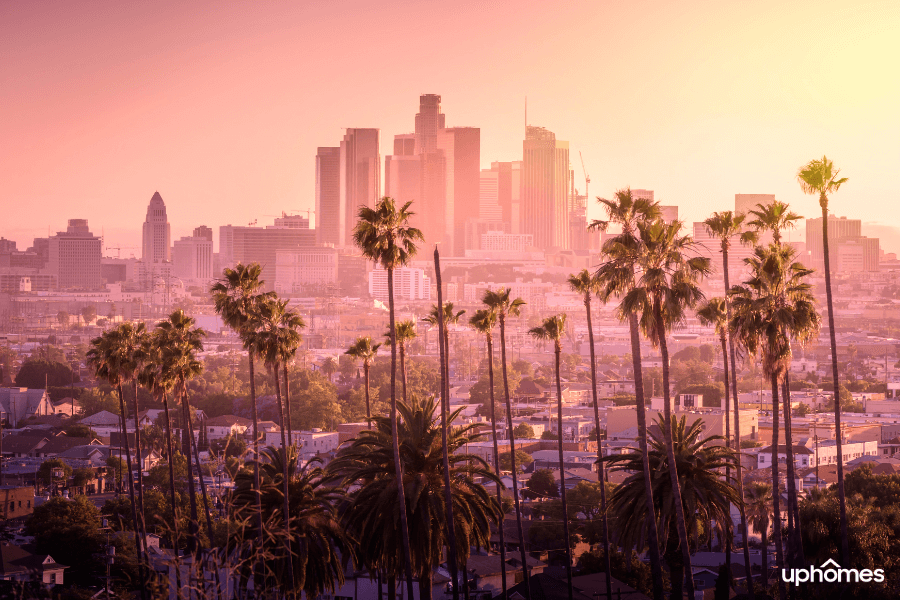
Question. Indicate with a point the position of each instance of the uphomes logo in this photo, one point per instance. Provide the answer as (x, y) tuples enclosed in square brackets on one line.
[(831, 572)]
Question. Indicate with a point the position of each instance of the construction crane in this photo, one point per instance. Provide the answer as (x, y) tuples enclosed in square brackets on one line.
[(587, 178)]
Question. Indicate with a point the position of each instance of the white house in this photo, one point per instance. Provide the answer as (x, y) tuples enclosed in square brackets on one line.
[(218, 428), (805, 453)]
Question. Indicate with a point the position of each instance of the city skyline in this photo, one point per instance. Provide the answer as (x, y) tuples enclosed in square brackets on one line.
[(93, 138)]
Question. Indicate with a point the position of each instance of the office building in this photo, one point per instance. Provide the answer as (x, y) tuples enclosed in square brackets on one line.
[(74, 257), (429, 121), (711, 247), (863, 251), (409, 284), (744, 203), (360, 178), (305, 270), (545, 189), (192, 257), (460, 148), (157, 234), (669, 214), (248, 244), (501, 194), (329, 223), (511, 242)]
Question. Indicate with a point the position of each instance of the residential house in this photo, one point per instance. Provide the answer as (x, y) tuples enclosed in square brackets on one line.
[(18, 564), (218, 428), (17, 404)]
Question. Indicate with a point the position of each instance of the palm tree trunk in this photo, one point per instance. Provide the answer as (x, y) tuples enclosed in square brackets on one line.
[(368, 407), (445, 405), (287, 405), (140, 473), (134, 514), (680, 520), (737, 434), (776, 492), (842, 498), (170, 449), (194, 529), (562, 474), (793, 505), (512, 457), (765, 555), (395, 434), (652, 531), (729, 525), (500, 529), (403, 368), (601, 471), (286, 478), (206, 503), (257, 484), (425, 584)]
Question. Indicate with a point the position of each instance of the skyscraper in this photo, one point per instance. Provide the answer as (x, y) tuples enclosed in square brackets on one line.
[(242, 244), (545, 188), (157, 234), (360, 177), (429, 120), (328, 196), (75, 257), (461, 151), (744, 203)]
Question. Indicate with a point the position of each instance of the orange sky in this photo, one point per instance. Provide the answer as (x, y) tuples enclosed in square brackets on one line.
[(220, 106)]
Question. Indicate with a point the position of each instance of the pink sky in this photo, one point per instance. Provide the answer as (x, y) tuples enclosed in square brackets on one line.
[(220, 106)]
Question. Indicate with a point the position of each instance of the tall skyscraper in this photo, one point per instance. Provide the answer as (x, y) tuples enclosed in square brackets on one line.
[(75, 257), (157, 238), (461, 150), (360, 177), (203, 232), (848, 249), (545, 188), (744, 203), (429, 120), (192, 257), (328, 196)]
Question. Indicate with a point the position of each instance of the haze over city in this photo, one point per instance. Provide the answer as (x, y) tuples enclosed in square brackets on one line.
[(221, 107)]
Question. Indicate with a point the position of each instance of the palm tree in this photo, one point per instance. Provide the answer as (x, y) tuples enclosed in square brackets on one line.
[(582, 283), (484, 321), (774, 306), (773, 218), (271, 340), (107, 355), (363, 349), (759, 509), (372, 512), (384, 235), (316, 537), (666, 287), (501, 302), (237, 297), (404, 333), (705, 496), (626, 211), (552, 329), (820, 177), (442, 315), (329, 367), (289, 325), (726, 226)]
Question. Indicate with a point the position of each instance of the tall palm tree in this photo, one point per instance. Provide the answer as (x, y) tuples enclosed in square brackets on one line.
[(289, 325), (404, 333), (157, 378), (363, 349), (759, 510), (583, 283), (820, 177), (384, 235), (553, 329), (726, 226), (484, 321), (271, 339), (442, 315), (372, 512), (503, 304), (705, 495), (666, 286), (107, 355), (773, 218), (626, 211), (237, 296), (317, 539), (770, 309)]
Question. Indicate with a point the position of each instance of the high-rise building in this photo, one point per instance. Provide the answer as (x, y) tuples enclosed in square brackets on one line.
[(157, 234), (642, 194), (75, 257), (861, 253), (461, 150), (360, 177), (744, 203), (203, 232), (243, 244), (711, 247), (429, 120), (328, 196), (545, 189), (192, 257), (669, 213), (501, 194)]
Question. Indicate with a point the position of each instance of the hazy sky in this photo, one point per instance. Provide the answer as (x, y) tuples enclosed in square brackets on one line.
[(220, 106)]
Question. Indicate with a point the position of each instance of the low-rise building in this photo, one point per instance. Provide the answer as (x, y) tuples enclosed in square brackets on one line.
[(16, 502), (807, 451), (18, 564), (221, 427)]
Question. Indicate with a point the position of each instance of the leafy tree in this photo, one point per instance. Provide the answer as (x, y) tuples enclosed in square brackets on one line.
[(524, 431), (82, 476), (686, 354), (802, 410), (479, 393), (63, 318), (40, 373), (549, 435), (98, 399), (542, 484), (627, 568), (522, 459), (79, 430), (229, 446), (89, 313), (45, 472), (712, 392), (691, 372), (707, 353)]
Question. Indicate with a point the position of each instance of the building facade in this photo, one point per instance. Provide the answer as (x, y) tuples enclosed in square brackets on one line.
[(360, 177), (75, 257), (330, 217), (545, 189), (157, 233)]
